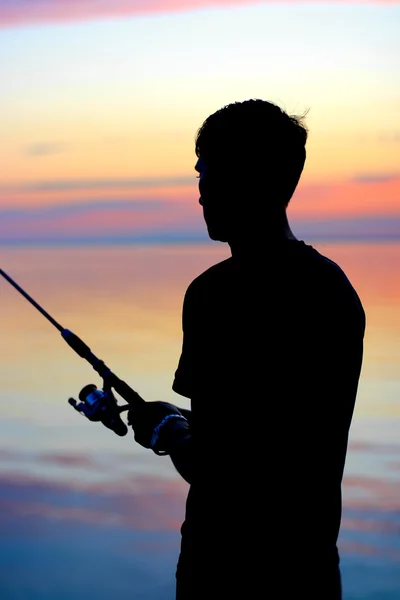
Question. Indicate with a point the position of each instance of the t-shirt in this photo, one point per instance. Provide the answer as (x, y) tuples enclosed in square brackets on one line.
[(271, 359)]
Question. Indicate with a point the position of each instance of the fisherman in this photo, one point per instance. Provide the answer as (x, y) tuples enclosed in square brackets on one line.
[(271, 358)]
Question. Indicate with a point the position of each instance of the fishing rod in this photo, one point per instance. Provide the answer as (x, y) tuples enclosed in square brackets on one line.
[(96, 405)]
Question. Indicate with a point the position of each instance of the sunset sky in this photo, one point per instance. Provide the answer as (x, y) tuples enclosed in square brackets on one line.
[(101, 102)]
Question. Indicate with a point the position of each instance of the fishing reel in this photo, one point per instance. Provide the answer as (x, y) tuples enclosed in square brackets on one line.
[(95, 404), (101, 405)]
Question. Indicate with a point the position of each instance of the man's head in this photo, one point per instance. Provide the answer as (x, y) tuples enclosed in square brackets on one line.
[(250, 158)]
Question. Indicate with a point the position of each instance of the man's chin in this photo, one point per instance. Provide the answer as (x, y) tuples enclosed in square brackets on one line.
[(216, 236)]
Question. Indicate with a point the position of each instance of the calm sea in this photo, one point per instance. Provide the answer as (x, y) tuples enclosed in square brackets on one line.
[(85, 513)]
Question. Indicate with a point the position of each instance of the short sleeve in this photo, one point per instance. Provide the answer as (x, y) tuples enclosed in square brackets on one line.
[(183, 380), (338, 352)]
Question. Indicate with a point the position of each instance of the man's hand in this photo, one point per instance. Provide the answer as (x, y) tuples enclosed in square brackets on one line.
[(155, 424)]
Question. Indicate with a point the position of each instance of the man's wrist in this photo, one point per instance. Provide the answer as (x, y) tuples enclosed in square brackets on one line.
[(172, 435), (159, 430)]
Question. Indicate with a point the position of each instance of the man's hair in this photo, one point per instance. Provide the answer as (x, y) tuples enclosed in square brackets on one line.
[(256, 138)]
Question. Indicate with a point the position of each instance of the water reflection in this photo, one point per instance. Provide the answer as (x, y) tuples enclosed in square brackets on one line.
[(68, 485)]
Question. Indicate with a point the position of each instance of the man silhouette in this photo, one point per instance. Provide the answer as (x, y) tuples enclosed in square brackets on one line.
[(271, 359)]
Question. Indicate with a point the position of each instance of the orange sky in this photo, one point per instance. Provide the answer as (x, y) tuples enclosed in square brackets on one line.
[(88, 126)]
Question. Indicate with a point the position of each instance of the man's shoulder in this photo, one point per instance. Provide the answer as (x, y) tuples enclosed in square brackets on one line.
[(333, 283), (327, 271), (316, 274), (326, 266), (211, 276)]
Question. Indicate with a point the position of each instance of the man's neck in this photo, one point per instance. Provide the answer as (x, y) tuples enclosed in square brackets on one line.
[(257, 241)]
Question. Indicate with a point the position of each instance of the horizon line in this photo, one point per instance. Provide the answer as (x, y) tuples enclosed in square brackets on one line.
[(189, 241)]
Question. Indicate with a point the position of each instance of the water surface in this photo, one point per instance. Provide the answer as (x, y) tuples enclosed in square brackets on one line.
[(85, 512)]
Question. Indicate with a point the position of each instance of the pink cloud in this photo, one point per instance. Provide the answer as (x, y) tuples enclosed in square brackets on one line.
[(369, 493), (370, 525), (365, 207), (368, 194), (143, 503), (375, 448), (362, 195), (68, 460), (364, 549), (50, 11)]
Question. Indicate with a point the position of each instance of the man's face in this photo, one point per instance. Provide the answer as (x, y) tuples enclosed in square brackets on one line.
[(215, 198)]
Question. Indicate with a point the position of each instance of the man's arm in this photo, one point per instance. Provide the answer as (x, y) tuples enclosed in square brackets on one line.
[(180, 448), (174, 436)]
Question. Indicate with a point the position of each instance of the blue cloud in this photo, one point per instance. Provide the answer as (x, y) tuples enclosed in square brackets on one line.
[(173, 223), (78, 208), (105, 183)]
